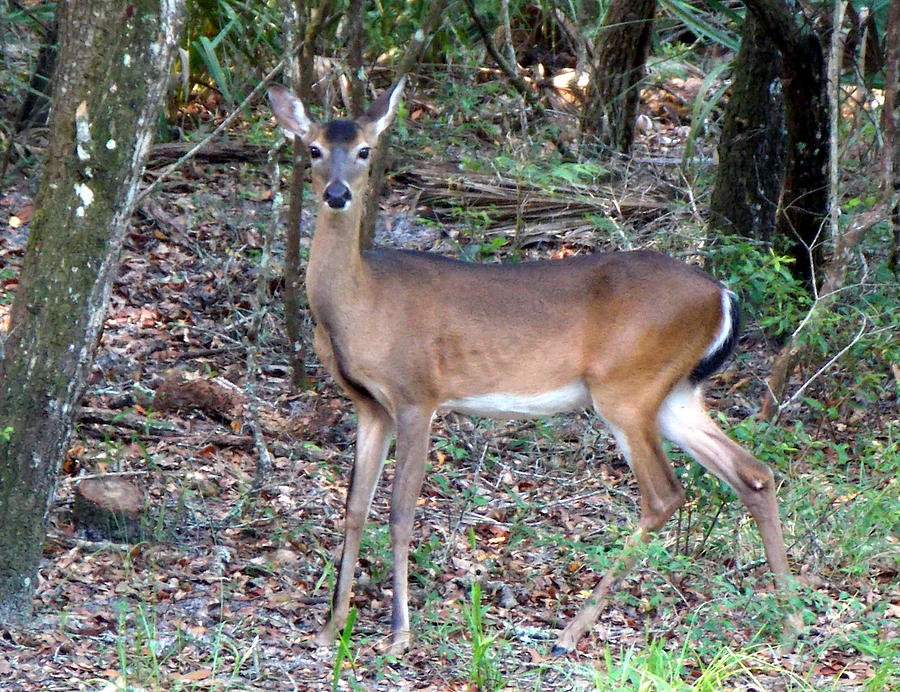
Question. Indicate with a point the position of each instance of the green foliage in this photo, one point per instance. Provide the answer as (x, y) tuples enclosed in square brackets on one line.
[(343, 653), (775, 300), (703, 107), (703, 24), (657, 668), (229, 40), (483, 670)]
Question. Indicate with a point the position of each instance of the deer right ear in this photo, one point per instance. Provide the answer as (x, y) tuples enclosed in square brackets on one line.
[(289, 112)]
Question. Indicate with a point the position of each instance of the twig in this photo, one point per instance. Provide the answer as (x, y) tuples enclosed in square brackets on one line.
[(168, 170), (260, 301), (831, 361), (93, 545), (89, 476), (102, 416), (462, 513), (514, 77)]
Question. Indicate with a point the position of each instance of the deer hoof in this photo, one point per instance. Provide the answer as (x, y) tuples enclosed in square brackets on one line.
[(324, 637), (398, 647), (559, 650)]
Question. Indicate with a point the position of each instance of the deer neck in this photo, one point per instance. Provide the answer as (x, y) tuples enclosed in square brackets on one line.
[(336, 276)]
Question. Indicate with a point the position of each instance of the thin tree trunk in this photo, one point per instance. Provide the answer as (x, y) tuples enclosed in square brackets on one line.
[(379, 158), (891, 154), (751, 166), (294, 21), (302, 28), (355, 13), (845, 241), (36, 103), (621, 54), (112, 72), (804, 198)]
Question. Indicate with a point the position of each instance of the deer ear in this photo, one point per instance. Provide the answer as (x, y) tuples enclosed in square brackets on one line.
[(289, 112), (383, 109)]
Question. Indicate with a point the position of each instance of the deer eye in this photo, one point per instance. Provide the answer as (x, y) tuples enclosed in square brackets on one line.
[(315, 152), (364, 153)]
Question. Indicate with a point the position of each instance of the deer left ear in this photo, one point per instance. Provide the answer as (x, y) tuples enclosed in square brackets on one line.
[(383, 109)]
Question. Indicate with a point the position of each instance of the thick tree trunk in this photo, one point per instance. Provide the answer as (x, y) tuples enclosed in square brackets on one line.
[(113, 66), (752, 146), (621, 54), (804, 199)]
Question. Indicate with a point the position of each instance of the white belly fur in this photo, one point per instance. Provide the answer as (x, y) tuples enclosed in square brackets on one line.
[(499, 405)]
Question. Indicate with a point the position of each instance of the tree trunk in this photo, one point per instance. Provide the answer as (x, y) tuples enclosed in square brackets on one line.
[(113, 67), (355, 13), (804, 199), (752, 146), (410, 58), (621, 54), (891, 160), (302, 26)]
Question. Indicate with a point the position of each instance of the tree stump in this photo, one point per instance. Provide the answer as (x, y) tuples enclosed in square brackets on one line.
[(109, 508)]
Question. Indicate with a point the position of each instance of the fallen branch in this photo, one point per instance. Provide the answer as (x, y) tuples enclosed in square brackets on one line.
[(223, 151), (529, 212), (166, 172)]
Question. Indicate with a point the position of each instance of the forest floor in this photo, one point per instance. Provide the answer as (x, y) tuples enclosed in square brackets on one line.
[(190, 399)]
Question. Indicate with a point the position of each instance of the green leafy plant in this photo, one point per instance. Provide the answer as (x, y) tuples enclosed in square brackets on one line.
[(483, 671), (228, 39), (770, 293), (343, 654)]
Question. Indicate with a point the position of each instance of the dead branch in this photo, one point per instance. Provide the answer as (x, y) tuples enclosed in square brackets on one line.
[(168, 170)]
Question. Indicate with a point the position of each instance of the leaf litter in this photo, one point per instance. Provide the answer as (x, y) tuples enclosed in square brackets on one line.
[(233, 575)]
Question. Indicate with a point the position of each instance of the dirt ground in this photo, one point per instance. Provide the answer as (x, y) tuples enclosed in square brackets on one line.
[(190, 397)]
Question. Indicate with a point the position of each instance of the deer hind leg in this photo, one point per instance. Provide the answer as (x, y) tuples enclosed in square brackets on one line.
[(661, 495), (374, 430), (413, 427), (684, 421)]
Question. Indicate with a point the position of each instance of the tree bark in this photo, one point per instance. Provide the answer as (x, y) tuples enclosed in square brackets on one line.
[(891, 154), (621, 54), (112, 72), (355, 12), (804, 198), (751, 167), (302, 26)]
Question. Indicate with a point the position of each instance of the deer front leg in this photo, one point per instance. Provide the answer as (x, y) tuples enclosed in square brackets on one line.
[(374, 429), (412, 448)]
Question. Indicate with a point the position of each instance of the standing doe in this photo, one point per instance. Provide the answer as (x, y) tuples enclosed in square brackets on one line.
[(632, 334)]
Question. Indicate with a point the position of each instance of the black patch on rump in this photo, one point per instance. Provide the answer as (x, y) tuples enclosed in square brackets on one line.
[(341, 132), (714, 360)]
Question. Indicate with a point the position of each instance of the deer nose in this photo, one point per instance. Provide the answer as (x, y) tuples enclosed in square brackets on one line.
[(337, 195)]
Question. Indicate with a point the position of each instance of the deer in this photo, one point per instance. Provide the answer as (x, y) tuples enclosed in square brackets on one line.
[(405, 334)]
